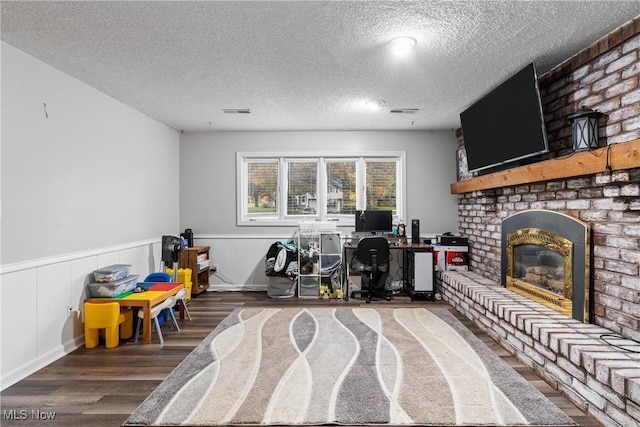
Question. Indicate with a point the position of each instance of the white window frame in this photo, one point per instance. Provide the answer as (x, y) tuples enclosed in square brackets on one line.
[(280, 218)]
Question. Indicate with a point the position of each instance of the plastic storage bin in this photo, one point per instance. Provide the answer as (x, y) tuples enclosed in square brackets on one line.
[(113, 289), (112, 273), (309, 286)]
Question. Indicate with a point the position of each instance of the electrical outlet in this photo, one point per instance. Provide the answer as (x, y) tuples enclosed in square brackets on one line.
[(214, 267), (69, 310)]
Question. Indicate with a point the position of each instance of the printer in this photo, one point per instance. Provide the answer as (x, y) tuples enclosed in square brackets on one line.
[(448, 239)]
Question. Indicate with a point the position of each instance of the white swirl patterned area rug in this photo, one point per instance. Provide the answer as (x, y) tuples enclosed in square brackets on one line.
[(344, 366)]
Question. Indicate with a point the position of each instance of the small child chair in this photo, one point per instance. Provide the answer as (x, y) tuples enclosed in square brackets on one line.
[(183, 294), (155, 312), (106, 316), (158, 277), (180, 298)]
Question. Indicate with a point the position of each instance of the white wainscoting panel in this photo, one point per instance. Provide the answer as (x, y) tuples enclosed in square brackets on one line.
[(53, 283), (35, 295), (240, 260), (19, 323), (81, 276)]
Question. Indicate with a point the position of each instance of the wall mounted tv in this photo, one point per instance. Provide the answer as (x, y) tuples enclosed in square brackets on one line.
[(506, 125)]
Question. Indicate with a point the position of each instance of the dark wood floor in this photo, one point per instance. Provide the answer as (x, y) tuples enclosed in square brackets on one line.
[(101, 387)]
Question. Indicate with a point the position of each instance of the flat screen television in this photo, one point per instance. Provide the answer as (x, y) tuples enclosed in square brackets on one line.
[(505, 125), (374, 221)]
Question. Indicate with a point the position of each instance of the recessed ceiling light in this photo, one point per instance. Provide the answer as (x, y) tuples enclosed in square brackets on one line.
[(402, 46), (375, 104)]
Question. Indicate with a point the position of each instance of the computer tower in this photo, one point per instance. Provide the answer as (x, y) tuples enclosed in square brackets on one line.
[(422, 270), (415, 231)]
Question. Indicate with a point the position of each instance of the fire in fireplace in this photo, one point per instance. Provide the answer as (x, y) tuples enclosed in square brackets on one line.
[(546, 258), (539, 266)]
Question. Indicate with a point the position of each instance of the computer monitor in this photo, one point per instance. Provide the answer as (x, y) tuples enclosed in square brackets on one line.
[(374, 221)]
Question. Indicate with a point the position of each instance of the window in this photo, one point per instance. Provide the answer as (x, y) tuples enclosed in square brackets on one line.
[(262, 188), (341, 186), (381, 185), (302, 187), (288, 188)]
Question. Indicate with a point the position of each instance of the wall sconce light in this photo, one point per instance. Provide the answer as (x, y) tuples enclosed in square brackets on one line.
[(584, 128)]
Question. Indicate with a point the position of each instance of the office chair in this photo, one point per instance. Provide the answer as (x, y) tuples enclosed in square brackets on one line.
[(372, 261)]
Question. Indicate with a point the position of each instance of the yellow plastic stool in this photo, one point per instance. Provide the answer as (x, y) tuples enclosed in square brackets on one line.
[(126, 327), (107, 317), (184, 277)]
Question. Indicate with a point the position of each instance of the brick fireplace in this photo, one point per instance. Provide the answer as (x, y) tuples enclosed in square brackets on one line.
[(600, 189)]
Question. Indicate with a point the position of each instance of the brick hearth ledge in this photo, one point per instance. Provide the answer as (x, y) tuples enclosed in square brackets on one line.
[(575, 358)]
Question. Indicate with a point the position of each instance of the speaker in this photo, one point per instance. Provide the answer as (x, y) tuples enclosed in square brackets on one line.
[(415, 231)]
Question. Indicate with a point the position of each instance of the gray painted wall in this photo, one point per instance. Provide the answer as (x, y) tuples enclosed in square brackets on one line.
[(84, 172), (86, 182), (208, 173)]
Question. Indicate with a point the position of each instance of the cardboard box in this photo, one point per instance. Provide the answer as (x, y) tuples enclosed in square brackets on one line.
[(451, 258)]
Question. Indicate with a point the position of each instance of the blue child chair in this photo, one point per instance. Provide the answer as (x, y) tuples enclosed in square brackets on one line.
[(161, 277), (158, 277)]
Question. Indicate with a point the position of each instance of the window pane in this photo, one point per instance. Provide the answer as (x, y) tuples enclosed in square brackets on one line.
[(262, 187), (341, 187), (381, 185), (302, 188)]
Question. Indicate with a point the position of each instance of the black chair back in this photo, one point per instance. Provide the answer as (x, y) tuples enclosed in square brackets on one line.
[(381, 246)]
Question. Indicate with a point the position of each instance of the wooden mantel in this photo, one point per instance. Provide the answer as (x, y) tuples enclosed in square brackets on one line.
[(620, 156)]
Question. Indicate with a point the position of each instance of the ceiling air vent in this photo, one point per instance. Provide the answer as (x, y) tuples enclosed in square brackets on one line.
[(404, 110), (236, 110)]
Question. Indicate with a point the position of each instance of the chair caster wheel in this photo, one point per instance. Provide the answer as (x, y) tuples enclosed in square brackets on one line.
[(388, 298), (368, 301)]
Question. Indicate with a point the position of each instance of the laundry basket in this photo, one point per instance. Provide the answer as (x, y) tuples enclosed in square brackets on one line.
[(281, 287)]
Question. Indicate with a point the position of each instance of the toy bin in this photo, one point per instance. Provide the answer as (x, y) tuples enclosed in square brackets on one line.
[(112, 273), (114, 289)]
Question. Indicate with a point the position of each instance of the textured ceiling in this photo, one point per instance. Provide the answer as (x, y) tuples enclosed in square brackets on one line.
[(303, 65)]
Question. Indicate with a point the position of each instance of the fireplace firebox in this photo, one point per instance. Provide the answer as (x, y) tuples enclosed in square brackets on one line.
[(546, 257)]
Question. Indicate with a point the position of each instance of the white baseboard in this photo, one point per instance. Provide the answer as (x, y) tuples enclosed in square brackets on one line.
[(34, 365)]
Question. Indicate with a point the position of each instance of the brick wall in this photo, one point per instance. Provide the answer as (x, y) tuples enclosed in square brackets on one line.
[(604, 77)]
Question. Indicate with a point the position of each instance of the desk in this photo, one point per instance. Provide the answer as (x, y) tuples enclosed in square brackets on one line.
[(157, 293), (395, 244)]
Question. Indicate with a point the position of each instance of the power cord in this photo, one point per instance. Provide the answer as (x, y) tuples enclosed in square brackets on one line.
[(228, 281)]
